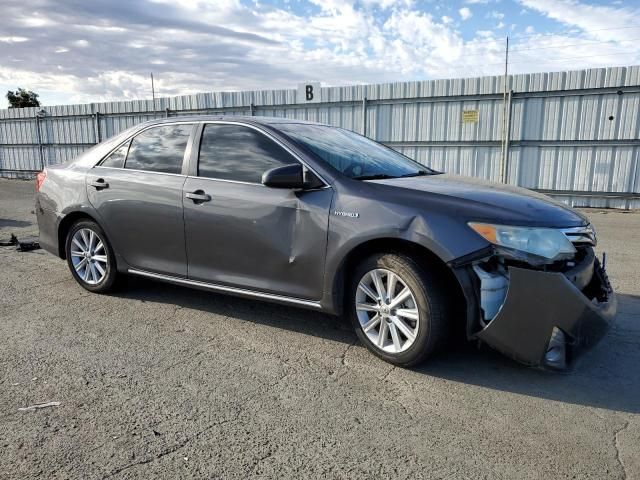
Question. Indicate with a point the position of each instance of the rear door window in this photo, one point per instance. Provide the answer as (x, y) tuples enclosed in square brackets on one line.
[(236, 152), (159, 149)]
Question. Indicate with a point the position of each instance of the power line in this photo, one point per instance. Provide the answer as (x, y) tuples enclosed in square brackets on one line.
[(582, 56), (499, 46), (561, 32), (499, 50), (569, 45), (578, 28), (553, 60)]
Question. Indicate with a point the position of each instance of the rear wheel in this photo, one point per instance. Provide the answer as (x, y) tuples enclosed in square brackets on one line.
[(90, 257), (398, 309)]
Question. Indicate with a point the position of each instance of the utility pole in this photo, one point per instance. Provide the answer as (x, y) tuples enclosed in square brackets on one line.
[(503, 152), (153, 94)]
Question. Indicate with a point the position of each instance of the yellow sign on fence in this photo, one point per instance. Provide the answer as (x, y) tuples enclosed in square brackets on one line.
[(470, 116)]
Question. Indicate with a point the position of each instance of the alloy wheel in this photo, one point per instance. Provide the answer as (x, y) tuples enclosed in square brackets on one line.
[(89, 256), (387, 310)]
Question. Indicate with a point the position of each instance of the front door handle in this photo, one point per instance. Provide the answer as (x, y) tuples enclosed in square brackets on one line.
[(99, 184), (198, 196)]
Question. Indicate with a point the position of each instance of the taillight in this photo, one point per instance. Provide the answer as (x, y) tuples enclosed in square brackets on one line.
[(40, 178)]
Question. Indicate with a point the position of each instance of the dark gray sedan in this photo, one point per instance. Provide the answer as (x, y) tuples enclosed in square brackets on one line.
[(320, 217)]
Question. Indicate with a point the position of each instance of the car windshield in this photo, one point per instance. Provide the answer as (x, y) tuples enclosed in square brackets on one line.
[(352, 154)]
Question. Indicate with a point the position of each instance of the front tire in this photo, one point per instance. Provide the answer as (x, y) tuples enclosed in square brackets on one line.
[(398, 308), (90, 257)]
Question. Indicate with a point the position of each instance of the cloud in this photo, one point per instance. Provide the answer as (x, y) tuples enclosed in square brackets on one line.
[(597, 21), (13, 39), (97, 51), (386, 4), (465, 13)]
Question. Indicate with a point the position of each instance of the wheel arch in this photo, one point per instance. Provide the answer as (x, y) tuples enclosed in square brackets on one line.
[(416, 251), (65, 224)]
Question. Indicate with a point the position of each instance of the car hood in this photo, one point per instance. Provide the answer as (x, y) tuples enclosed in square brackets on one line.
[(488, 201)]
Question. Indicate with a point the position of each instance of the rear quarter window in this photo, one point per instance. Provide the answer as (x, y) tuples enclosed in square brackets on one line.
[(117, 157)]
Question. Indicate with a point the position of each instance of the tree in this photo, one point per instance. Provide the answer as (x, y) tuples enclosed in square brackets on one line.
[(22, 98)]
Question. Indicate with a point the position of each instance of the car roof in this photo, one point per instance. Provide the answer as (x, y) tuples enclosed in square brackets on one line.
[(270, 121)]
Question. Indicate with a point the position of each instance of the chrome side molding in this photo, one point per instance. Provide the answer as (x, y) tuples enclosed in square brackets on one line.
[(226, 289)]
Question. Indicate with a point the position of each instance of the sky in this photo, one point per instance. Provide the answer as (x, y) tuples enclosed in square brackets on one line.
[(80, 51)]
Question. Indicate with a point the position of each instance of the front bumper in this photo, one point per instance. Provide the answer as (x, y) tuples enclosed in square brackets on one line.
[(538, 301)]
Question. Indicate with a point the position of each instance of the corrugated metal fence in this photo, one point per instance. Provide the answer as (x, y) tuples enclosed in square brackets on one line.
[(571, 134)]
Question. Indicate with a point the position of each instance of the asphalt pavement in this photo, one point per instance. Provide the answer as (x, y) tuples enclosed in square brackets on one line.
[(159, 381)]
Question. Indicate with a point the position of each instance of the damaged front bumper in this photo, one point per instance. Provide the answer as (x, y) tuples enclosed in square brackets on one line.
[(547, 318)]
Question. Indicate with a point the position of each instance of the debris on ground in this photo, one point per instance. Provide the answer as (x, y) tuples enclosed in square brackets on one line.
[(28, 245), (7, 243), (24, 245), (33, 408)]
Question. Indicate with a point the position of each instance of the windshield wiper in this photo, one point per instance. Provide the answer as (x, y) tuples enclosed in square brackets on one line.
[(382, 176), (419, 173), (377, 176)]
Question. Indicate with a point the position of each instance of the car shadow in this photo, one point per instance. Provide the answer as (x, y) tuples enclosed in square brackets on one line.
[(607, 377), (298, 320), (11, 223)]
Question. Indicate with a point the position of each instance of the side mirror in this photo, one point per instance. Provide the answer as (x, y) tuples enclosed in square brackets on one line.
[(288, 176)]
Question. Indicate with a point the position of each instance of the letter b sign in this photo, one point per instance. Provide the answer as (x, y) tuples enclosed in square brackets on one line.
[(308, 92)]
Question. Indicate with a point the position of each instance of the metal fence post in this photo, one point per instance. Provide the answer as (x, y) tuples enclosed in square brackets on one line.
[(507, 140), (364, 116), (98, 134), (39, 135)]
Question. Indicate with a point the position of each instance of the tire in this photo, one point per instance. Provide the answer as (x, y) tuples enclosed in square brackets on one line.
[(103, 274), (425, 317)]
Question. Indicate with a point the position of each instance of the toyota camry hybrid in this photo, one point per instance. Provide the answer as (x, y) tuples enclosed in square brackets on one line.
[(319, 217)]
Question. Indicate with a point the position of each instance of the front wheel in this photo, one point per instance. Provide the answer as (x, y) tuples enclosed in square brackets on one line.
[(398, 309), (90, 257)]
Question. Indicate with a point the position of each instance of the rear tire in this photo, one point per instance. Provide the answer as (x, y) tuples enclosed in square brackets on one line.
[(90, 257), (403, 326)]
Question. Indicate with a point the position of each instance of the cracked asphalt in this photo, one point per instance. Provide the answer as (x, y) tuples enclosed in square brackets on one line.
[(159, 381)]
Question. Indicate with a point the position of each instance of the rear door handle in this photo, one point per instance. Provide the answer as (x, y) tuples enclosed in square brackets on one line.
[(99, 184), (198, 196)]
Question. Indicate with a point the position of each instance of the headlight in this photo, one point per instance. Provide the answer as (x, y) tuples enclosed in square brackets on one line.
[(545, 242)]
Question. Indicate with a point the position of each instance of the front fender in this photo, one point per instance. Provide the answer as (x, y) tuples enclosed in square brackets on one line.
[(442, 235)]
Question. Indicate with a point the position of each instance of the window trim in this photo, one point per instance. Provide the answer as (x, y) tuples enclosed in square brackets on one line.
[(143, 171), (195, 125), (195, 154)]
